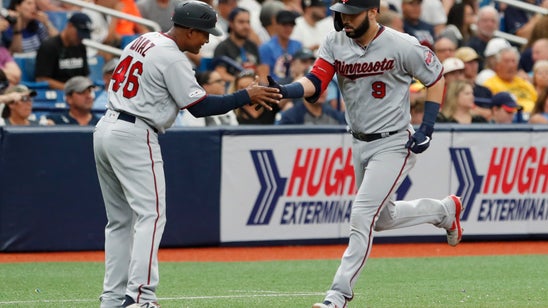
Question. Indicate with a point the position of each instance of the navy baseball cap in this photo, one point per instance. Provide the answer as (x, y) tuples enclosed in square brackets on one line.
[(352, 7), (505, 100), (82, 23), (285, 17)]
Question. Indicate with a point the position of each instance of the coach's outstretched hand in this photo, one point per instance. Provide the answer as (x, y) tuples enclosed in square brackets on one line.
[(420, 140), (263, 96)]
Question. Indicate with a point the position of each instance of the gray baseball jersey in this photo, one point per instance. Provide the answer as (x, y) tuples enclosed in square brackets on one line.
[(374, 80), (169, 76), (151, 82)]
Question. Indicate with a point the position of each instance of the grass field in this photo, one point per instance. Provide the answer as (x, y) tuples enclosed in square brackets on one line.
[(494, 281)]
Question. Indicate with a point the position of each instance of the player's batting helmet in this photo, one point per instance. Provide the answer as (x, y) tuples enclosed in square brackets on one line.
[(196, 15), (350, 7)]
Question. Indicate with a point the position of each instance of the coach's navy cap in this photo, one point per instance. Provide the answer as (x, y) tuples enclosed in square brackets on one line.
[(505, 100), (352, 7), (82, 23)]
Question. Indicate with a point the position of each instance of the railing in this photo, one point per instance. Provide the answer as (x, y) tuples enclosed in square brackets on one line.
[(149, 23), (507, 36), (526, 6), (107, 48)]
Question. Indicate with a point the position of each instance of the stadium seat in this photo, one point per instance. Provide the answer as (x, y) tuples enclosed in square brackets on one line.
[(96, 64), (59, 19), (126, 39), (48, 100)]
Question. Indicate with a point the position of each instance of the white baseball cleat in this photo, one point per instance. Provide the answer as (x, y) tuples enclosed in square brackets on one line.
[(454, 234), (326, 304)]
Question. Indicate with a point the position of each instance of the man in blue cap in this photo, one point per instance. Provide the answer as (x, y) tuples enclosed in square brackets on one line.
[(64, 56), (504, 108)]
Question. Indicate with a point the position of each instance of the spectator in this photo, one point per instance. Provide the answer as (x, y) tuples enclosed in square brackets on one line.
[(539, 115), (453, 69), (277, 53), (267, 16), (462, 15), (538, 51), (122, 27), (433, 12), (224, 7), (482, 95), (250, 115), (305, 113), (392, 19), (458, 103), (486, 25), (417, 97), (311, 27), (493, 47), (504, 108), (444, 48), (506, 79), (521, 22), (539, 31), (540, 76), (30, 30), (213, 83), (413, 25), (18, 111), (64, 56), (9, 66), (79, 94), (100, 102), (159, 11), (100, 27), (238, 47), (6, 98)]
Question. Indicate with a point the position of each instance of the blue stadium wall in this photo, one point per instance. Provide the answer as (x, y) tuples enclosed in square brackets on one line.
[(50, 198)]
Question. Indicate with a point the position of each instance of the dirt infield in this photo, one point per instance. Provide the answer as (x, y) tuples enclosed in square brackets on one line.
[(224, 254)]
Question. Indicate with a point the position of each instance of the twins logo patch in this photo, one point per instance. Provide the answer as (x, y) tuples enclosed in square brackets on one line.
[(197, 93), (428, 57)]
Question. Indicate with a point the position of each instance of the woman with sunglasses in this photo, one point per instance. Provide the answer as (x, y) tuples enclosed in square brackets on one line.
[(18, 111)]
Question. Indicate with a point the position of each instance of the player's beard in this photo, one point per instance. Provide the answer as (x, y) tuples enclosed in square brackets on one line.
[(360, 30)]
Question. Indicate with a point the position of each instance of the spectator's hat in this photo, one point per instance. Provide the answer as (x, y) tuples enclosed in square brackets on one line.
[(495, 45), (304, 54), (467, 54), (6, 112), (21, 89), (110, 65), (82, 23), (452, 64), (78, 84), (285, 17), (505, 100)]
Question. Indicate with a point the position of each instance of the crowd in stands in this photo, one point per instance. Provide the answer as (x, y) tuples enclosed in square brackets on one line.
[(489, 79)]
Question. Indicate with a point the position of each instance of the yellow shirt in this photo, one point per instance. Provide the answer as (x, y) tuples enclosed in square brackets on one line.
[(523, 90)]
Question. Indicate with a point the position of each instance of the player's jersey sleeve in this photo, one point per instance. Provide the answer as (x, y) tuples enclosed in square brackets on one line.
[(419, 61)]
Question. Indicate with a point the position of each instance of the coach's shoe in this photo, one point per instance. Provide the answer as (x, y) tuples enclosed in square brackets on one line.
[(145, 305), (326, 304), (454, 233), (128, 301)]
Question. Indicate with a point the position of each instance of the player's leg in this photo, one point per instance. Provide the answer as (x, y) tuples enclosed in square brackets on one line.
[(380, 171), (140, 170), (118, 231)]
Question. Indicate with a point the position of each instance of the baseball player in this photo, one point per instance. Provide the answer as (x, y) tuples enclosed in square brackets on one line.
[(375, 66), (151, 83)]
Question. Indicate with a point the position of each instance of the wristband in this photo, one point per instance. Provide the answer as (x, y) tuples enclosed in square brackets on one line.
[(431, 110), (292, 90)]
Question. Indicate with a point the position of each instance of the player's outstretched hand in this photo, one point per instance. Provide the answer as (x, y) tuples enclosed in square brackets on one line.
[(263, 96), (420, 140), (273, 84)]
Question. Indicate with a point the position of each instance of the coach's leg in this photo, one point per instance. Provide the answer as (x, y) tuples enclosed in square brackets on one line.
[(144, 186), (118, 231)]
